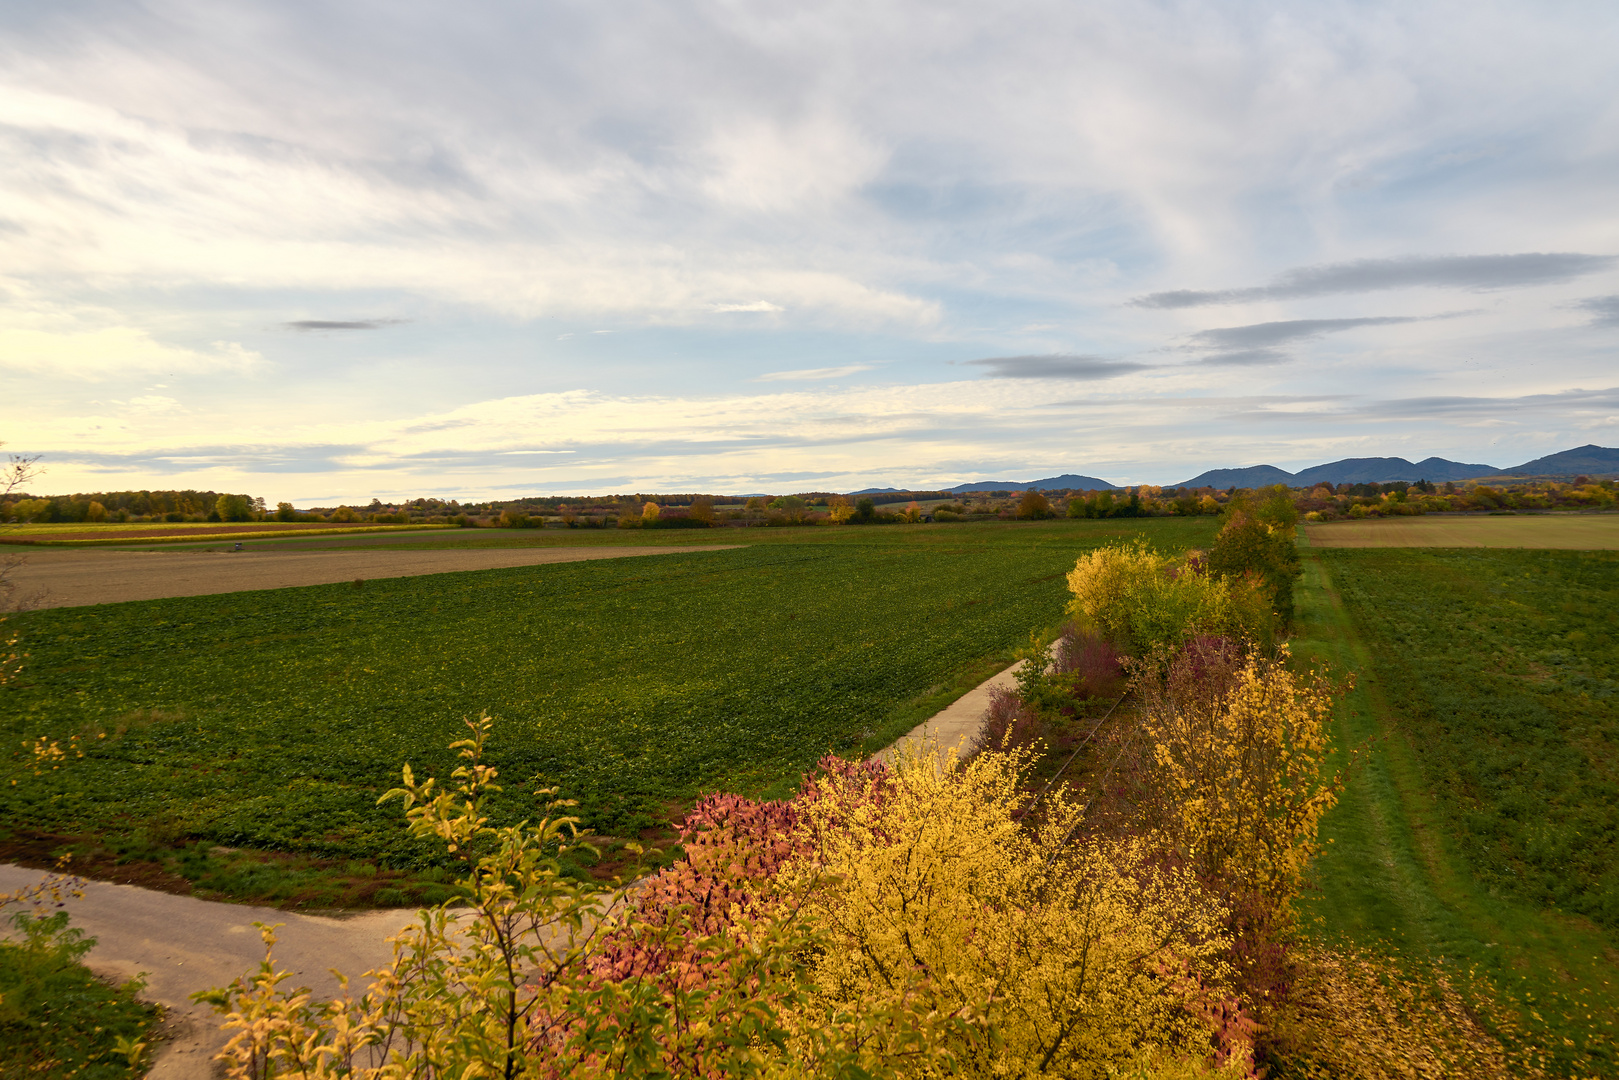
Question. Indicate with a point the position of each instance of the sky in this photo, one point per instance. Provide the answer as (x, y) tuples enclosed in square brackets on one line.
[(323, 253)]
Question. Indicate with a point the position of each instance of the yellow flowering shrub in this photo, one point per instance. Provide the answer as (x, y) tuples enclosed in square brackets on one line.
[(1148, 602), (1234, 778), (880, 924), (1042, 954)]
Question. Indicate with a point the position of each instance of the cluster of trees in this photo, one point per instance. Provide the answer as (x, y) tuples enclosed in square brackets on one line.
[(106, 506), (1324, 502), (1148, 603)]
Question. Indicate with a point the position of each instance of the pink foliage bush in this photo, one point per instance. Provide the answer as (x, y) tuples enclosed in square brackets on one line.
[(734, 846), (1095, 667)]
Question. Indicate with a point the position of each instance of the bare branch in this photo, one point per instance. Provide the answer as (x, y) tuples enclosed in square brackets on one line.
[(17, 472)]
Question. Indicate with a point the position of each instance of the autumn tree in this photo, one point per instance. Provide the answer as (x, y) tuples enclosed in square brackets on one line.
[(1258, 542), (1149, 603), (1033, 506), (233, 508)]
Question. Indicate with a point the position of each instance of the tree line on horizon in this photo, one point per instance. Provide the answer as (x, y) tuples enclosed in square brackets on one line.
[(1321, 502)]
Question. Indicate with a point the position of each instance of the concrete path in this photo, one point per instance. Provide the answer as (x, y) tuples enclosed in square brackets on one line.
[(955, 726), (76, 578), (185, 945)]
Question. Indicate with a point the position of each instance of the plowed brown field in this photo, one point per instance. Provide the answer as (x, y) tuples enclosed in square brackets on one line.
[(55, 534), (58, 578), (1583, 532)]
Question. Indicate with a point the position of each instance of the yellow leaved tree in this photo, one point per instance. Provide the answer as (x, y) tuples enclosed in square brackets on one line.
[(1031, 952), (1235, 775), (1148, 603)]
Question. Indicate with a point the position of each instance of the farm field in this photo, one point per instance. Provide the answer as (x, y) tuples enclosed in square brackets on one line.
[(273, 720), (82, 534), (1587, 532), (75, 578), (1479, 834)]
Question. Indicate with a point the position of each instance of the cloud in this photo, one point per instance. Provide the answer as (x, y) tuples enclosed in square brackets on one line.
[(1246, 358), (332, 324), (1458, 405), (153, 403), (900, 185), (115, 351), (1264, 335), (1604, 309), (1477, 272), (880, 435), (757, 305), (1057, 366), (812, 374)]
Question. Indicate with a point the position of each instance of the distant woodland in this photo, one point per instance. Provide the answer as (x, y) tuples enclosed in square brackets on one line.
[(1322, 502)]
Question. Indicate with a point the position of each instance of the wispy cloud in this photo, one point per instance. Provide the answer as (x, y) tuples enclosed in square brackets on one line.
[(1264, 335), (1604, 309), (337, 324), (813, 374), (1477, 272), (757, 305), (1246, 358), (1057, 366), (823, 188), (114, 352)]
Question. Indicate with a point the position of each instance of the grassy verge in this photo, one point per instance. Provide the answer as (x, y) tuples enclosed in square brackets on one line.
[(239, 743), (1394, 876), (59, 1020)]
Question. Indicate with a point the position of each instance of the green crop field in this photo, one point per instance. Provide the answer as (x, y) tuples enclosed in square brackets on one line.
[(1479, 831), (273, 720)]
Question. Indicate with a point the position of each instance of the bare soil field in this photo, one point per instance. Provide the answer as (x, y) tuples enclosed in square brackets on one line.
[(1580, 532), (78, 534), (58, 578)]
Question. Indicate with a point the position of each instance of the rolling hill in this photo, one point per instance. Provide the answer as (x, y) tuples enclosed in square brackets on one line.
[(1590, 459)]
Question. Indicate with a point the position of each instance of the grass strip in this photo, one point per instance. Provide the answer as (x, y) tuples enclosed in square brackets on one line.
[(1391, 876)]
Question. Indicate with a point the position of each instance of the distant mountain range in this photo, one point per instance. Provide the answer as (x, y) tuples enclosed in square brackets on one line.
[(1371, 470), (1590, 459), (1067, 481)]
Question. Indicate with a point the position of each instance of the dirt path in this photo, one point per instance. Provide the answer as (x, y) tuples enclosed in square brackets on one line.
[(78, 578)]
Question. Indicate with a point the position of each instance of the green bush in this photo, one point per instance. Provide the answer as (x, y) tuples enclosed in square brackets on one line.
[(1257, 543), (1148, 603), (58, 1019)]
